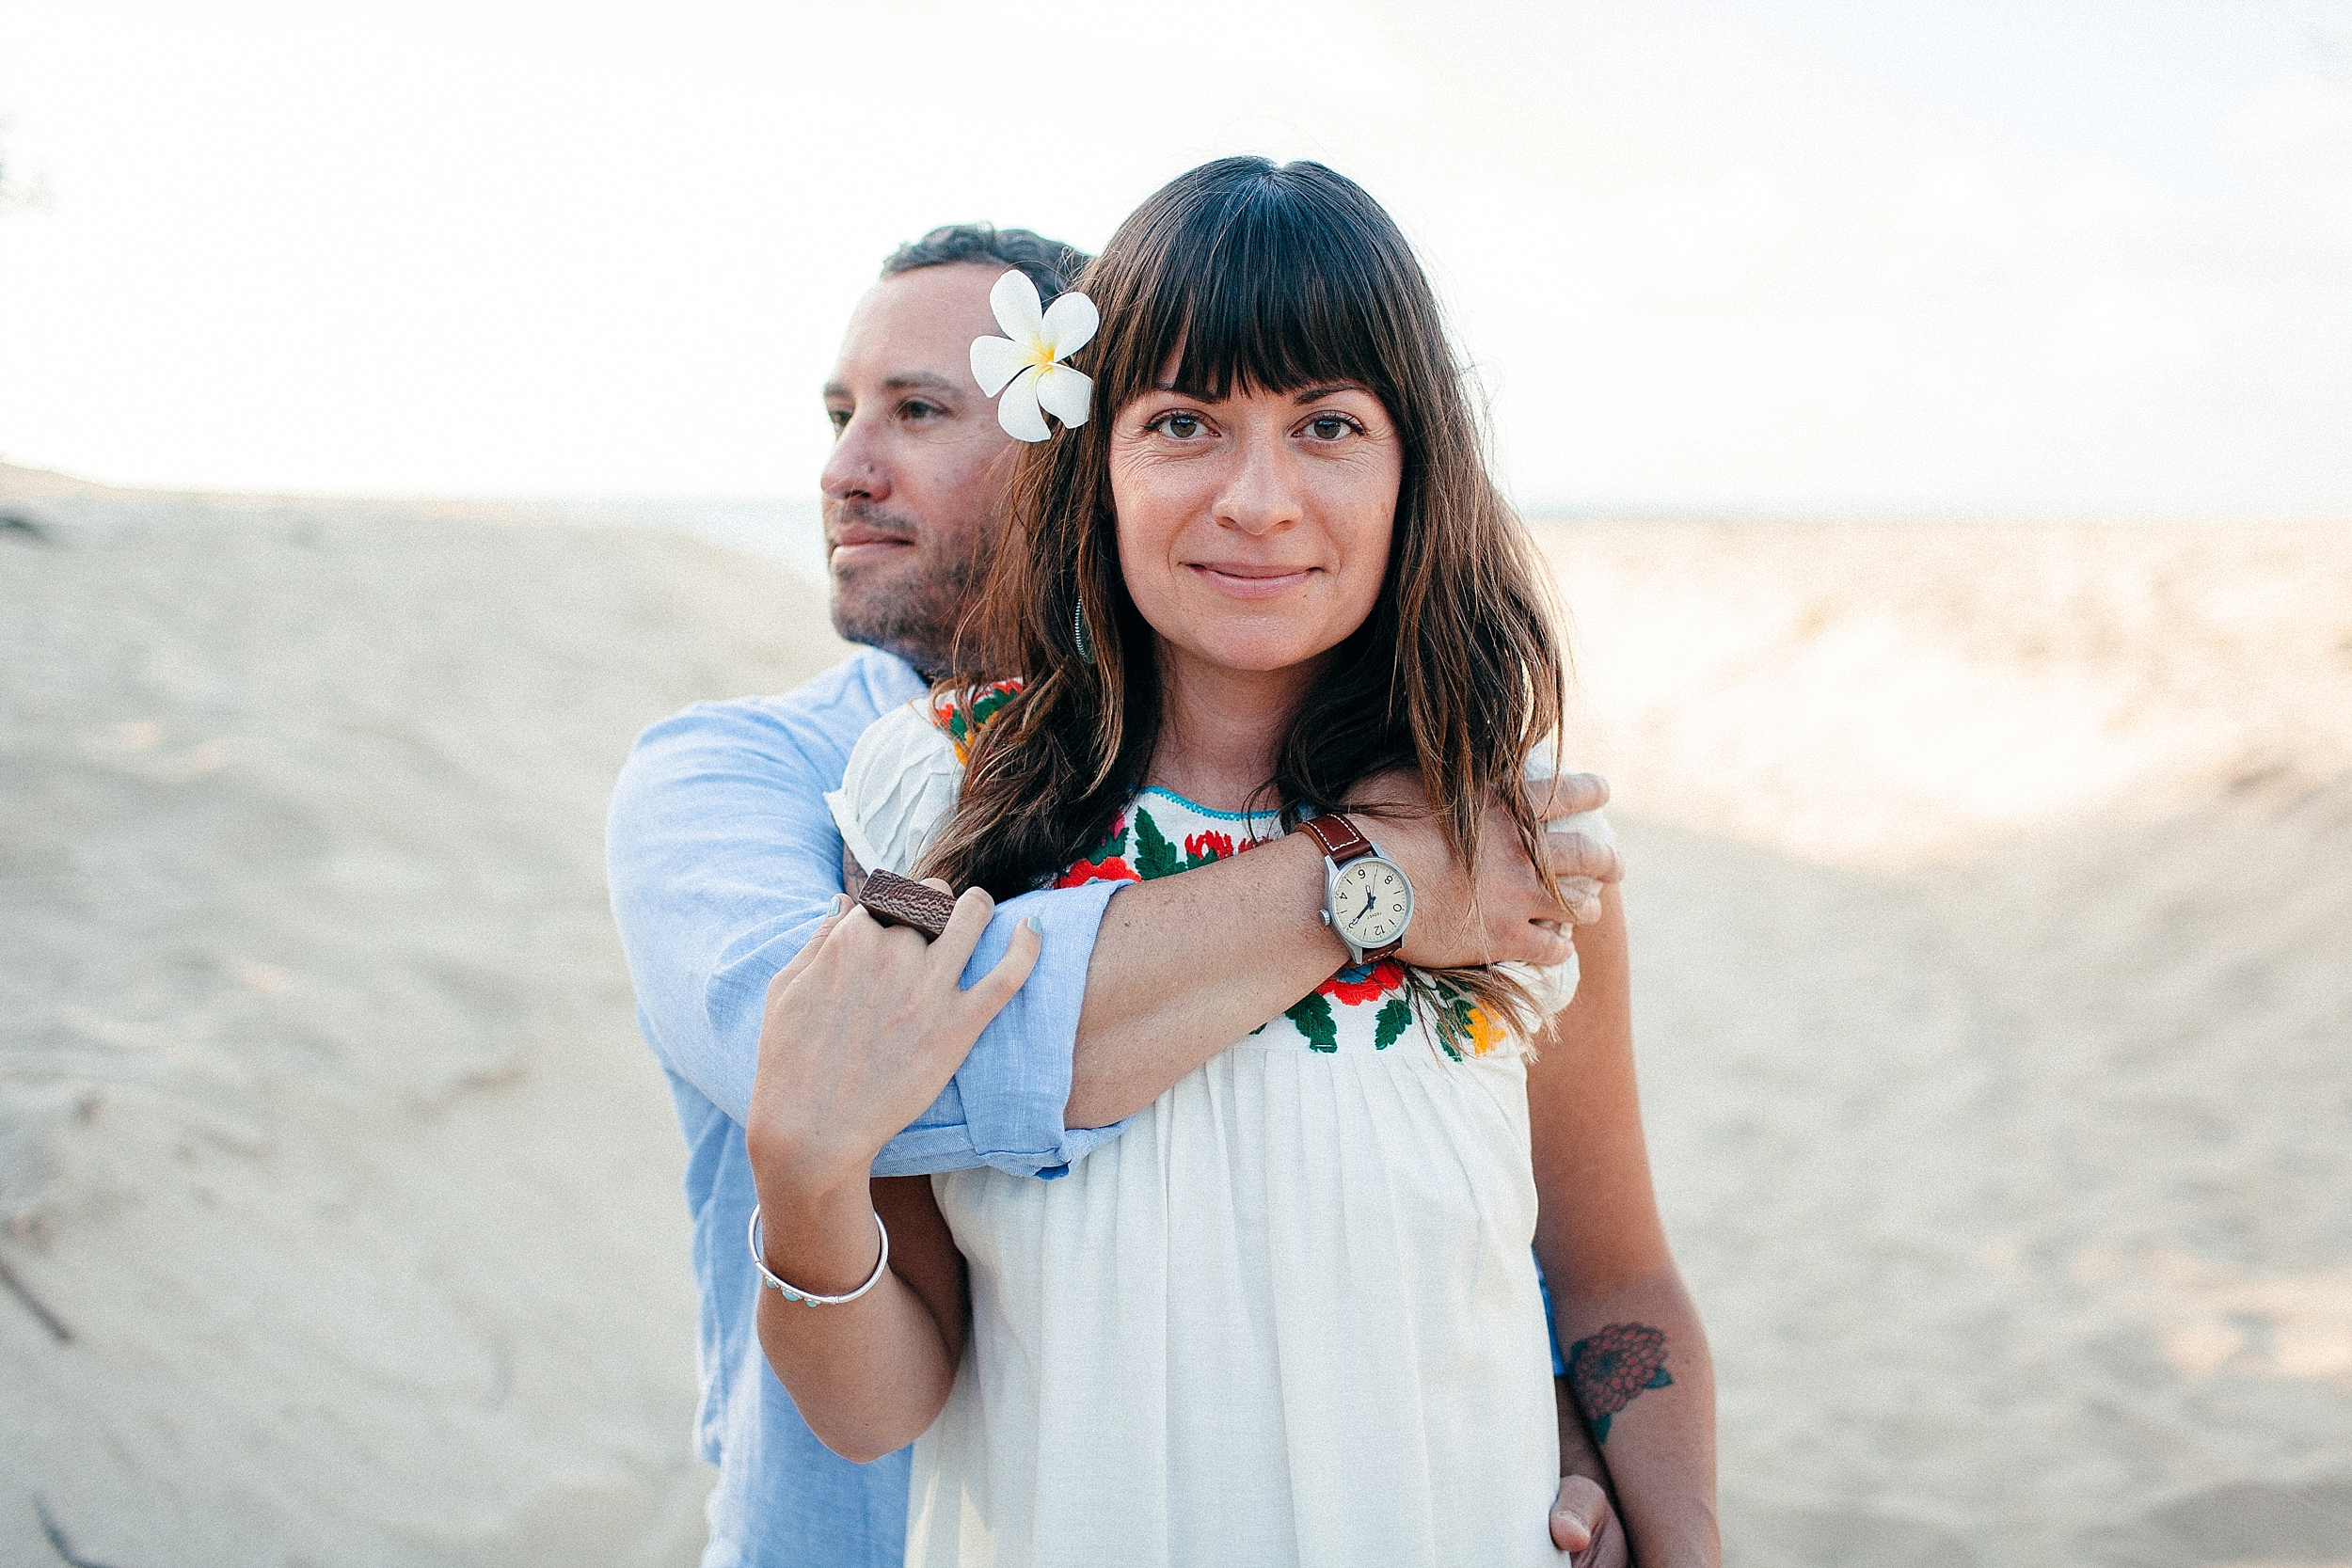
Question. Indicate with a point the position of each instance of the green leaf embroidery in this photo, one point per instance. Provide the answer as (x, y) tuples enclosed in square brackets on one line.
[(1313, 1014), (1389, 1025), (1114, 841), (1454, 1011), (1154, 855), (984, 706)]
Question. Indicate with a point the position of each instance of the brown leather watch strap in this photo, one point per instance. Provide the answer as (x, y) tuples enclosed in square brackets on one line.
[(894, 900), (1340, 837)]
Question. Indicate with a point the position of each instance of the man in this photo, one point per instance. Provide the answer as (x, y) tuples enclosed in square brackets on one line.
[(723, 859)]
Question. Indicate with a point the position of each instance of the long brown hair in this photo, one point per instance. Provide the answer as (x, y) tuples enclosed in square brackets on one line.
[(1270, 278)]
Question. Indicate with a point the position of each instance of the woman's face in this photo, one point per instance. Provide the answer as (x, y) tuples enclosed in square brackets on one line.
[(1253, 531)]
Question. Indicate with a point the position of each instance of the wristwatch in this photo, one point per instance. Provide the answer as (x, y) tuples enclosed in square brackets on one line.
[(1367, 899)]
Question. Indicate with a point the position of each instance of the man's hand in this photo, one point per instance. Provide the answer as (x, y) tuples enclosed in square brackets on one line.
[(1511, 916), (1584, 1522), (862, 1031)]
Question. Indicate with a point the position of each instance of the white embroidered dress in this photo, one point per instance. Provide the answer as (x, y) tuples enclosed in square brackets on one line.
[(1289, 1316)]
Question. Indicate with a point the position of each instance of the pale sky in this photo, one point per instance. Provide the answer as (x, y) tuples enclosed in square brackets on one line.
[(2041, 255)]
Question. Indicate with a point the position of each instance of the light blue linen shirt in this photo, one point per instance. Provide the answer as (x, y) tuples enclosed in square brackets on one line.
[(723, 858)]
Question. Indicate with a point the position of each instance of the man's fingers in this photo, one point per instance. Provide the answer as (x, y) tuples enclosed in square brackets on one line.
[(1584, 899), (1543, 945), (1577, 1514), (1567, 794), (1580, 854)]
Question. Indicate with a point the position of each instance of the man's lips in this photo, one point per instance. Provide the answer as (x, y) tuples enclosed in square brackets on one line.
[(1248, 579), (859, 542)]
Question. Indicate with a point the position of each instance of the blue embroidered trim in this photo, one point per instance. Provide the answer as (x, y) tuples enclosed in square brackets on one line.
[(1252, 818)]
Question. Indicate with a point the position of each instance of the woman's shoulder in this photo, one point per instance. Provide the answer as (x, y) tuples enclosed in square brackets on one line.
[(960, 715), (903, 773)]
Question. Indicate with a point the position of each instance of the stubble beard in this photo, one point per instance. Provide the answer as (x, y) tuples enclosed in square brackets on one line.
[(913, 609)]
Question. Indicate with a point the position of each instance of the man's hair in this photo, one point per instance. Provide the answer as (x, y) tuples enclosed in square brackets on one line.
[(1051, 265)]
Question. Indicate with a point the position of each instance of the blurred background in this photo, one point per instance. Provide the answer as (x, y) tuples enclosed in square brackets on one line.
[(1939, 418), (2050, 257)]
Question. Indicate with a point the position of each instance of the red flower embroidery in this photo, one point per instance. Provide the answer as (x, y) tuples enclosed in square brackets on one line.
[(1111, 868), (1360, 983), (1208, 846)]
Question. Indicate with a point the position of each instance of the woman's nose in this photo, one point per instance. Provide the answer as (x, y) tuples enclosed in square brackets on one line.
[(1263, 494)]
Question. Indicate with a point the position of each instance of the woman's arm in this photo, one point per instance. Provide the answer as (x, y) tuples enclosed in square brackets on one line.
[(870, 1375), (1637, 1354), (1251, 924), (861, 1030)]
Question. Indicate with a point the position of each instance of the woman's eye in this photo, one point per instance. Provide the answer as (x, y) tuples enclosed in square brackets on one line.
[(1183, 426), (1330, 427)]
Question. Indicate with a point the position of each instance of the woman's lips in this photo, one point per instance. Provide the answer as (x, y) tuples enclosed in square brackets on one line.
[(1241, 580)]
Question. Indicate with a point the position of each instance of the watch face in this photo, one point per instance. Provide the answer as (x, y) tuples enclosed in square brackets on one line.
[(1370, 902)]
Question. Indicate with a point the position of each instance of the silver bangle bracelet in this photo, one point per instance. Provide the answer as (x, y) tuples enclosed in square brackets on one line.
[(809, 1298)]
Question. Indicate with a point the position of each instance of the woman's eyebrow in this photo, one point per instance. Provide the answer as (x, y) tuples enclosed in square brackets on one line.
[(1312, 393)]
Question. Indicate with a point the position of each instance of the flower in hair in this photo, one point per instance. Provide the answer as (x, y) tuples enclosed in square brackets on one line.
[(1022, 364)]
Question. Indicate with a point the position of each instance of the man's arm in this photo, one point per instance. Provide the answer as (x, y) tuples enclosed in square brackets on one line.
[(1637, 1355), (1585, 1520), (723, 860)]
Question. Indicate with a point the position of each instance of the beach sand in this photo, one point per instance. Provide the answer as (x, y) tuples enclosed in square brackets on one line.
[(1992, 902), (1991, 899)]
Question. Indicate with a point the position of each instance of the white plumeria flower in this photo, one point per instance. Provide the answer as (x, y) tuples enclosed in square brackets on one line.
[(1021, 364)]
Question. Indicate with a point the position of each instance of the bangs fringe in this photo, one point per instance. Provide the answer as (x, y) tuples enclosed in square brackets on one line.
[(1260, 290)]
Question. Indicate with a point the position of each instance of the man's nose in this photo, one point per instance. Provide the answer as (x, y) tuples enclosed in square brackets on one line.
[(1263, 494), (856, 471)]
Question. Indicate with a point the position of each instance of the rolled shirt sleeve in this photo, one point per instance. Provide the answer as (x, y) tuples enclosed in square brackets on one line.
[(722, 859)]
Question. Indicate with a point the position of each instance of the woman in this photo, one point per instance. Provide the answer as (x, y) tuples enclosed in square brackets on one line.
[(1290, 1314)]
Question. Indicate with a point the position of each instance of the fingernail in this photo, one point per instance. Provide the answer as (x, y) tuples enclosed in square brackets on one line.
[(840, 902), (1034, 923)]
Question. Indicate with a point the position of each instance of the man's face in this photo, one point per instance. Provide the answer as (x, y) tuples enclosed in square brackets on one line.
[(920, 463)]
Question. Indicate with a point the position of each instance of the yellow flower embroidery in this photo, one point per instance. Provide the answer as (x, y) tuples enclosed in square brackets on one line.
[(1484, 1036)]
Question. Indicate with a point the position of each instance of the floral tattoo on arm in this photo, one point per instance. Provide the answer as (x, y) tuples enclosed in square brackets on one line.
[(1611, 1369)]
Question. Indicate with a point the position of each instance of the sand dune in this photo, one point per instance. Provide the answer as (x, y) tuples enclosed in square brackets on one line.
[(324, 1127), (1993, 905), (1993, 894)]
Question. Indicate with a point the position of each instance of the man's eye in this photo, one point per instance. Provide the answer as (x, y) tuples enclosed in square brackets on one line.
[(838, 419), (915, 408)]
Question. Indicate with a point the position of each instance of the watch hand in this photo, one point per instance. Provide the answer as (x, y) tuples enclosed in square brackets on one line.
[(1372, 901)]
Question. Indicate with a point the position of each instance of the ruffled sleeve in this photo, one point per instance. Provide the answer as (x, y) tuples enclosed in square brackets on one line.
[(899, 790)]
